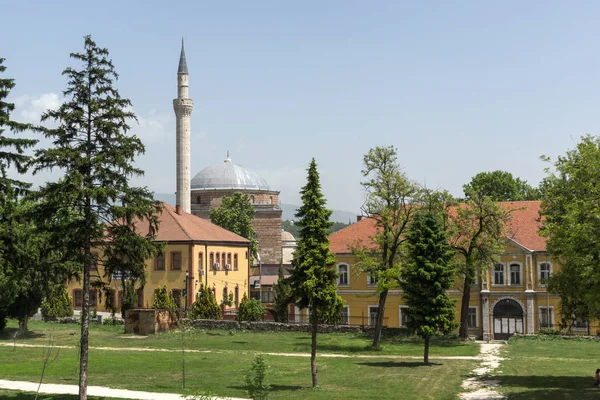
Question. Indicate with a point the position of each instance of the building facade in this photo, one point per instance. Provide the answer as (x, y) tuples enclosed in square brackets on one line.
[(508, 297)]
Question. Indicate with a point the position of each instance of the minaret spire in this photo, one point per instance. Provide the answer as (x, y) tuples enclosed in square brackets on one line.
[(183, 106)]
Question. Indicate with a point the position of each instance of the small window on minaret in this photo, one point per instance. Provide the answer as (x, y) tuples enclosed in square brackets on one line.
[(199, 200), (252, 199)]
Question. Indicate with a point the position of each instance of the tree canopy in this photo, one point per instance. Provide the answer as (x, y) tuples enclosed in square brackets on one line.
[(500, 186)]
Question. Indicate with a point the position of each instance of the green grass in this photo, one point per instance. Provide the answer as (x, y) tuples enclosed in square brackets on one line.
[(223, 373), (249, 341), (15, 395), (539, 368)]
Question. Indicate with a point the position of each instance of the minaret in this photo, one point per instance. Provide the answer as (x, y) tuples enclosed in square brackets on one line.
[(183, 110)]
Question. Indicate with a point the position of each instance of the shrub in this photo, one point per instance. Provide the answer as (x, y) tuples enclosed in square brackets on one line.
[(256, 379), (163, 300), (205, 306), (58, 304), (250, 310), (549, 332)]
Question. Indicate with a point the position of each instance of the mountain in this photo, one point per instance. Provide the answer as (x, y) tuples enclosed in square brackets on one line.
[(288, 209)]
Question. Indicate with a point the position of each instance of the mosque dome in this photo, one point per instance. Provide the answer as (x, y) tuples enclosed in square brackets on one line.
[(287, 237), (228, 176)]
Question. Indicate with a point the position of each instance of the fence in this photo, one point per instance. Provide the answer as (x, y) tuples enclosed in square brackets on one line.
[(360, 320)]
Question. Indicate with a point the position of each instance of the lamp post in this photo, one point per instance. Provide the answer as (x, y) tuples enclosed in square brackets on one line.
[(187, 277)]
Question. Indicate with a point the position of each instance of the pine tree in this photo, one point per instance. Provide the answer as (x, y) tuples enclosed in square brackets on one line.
[(92, 147), (282, 293), (313, 278), (205, 306), (428, 274)]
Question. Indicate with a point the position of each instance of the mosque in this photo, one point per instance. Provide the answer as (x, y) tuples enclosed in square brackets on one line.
[(207, 188)]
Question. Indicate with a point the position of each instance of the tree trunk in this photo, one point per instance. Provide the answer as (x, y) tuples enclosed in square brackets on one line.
[(313, 348), (23, 324), (426, 351), (464, 310), (85, 321), (379, 320)]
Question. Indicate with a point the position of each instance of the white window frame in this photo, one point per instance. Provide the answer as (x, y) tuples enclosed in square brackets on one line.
[(540, 316), (347, 307), (509, 281), (539, 272), (476, 317), (371, 323), (347, 274), (581, 327), (369, 284), (400, 315), (503, 274)]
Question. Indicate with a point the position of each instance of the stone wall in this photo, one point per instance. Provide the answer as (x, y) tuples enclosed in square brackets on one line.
[(148, 321)]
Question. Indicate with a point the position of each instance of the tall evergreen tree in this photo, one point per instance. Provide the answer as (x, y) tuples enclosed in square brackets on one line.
[(93, 149), (282, 293), (427, 276), (313, 278)]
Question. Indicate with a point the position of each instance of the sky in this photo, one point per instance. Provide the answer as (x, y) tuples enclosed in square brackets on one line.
[(457, 88)]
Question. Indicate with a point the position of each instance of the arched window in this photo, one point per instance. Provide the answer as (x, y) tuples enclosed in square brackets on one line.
[(235, 262), (343, 272), (225, 299), (252, 199)]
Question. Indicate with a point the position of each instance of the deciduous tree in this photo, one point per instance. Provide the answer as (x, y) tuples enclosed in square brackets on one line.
[(313, 278), (428, 275), (392, 200), (92, 148), (501, 186)]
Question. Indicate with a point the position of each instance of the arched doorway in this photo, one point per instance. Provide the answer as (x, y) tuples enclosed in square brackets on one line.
[(508, 319)]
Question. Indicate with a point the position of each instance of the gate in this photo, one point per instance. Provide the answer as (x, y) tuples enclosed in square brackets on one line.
[(508, 319)]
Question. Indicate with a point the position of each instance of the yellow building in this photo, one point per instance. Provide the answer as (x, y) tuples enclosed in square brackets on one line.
[(197, 253), (508, 297)]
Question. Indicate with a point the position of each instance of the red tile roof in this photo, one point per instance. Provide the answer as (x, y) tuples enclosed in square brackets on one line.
[(522, 229), (188, 227)]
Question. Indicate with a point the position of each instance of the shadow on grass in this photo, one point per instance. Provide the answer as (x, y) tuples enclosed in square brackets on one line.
[(332, 348), (240, 342), (549, 382), (9, 334), (399, 364), (274, 388), (31, 396)]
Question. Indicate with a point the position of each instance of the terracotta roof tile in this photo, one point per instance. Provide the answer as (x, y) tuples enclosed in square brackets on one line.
[(188, 227), (522, 229)]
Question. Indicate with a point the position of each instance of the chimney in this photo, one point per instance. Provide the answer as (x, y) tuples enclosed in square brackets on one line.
[(359, 218), (178, 209)]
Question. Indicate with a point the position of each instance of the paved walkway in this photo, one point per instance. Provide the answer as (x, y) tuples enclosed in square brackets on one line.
[(483, 389), (98, 391)]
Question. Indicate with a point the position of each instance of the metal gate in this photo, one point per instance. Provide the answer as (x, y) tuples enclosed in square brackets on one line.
[(508, 319)]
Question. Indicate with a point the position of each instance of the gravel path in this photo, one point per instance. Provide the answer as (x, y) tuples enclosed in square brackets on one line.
[(98, 391), (481, 389)]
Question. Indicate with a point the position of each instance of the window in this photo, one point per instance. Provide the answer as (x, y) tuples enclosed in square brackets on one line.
[(252, 199), (371, 280), (267, 296), (345, 315), (225, 294), (218, 259), (237, 295), (373, 311), (176, 260), (212, 259), (223, 259), (255, 295), (176, 293), (342, 274), (235, 262), (545, 270), (404, 316), (159, 264), (110, 298), (198, 199), (580, 323), (78, 297), (498, 274), (472, 317), (546, 317), (229, 259), (93, 298), (515, 274), (246, 255), (94, 264), (200, 264)]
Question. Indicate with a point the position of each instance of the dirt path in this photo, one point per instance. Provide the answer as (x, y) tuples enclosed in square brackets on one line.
[(98, 391), (325, 355), (479, 387)]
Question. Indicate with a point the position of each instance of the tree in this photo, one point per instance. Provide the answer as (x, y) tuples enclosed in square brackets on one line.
[(250, 310), (163, 300), (477, 234), (93, 149), (205, 306), (283, 296), (429, 273), (57, 304), (235, 214), (501, 186), (313, 278), (570, 208), (392, 200)]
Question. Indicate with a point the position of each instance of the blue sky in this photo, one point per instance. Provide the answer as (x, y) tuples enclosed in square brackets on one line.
[(457, 88)]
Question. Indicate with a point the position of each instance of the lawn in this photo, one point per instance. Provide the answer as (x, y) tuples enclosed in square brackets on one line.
[(14, 395), (549, 368), (223, 373)]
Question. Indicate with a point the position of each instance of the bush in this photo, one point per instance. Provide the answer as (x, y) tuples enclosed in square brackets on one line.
[(250, 310), (163, 300), (58, 304), (205, 306), (549, 332), (256, 379)]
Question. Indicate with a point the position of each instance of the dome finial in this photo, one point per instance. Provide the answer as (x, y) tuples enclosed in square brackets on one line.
[(228, 160)]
